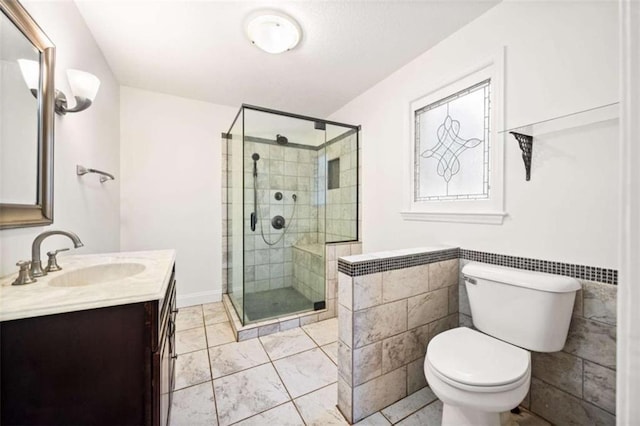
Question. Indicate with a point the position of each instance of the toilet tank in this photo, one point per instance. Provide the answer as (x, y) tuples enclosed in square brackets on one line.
[(525, 308)]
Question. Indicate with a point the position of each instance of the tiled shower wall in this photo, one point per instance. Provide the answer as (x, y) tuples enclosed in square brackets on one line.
[(289, 170), (341, 201), (576, 385)]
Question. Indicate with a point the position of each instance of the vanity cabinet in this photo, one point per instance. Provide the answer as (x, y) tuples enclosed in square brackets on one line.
[(106, 366)]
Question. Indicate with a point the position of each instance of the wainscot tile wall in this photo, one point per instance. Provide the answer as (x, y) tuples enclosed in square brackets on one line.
[(573, 386), (386, 319), (576, 385)]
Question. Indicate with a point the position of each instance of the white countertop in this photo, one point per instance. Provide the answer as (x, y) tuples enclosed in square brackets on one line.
[(394, 253), (40, 298)]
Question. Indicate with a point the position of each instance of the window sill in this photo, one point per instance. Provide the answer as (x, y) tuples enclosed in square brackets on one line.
[(486, 218)]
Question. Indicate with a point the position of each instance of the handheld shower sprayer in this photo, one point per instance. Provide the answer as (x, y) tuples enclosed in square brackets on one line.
[(255, 157), (254, 216)]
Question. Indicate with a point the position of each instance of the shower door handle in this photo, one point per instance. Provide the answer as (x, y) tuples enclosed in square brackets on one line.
[(254, 220)]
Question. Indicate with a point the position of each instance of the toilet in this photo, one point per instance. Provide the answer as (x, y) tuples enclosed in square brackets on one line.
[(477, 374)]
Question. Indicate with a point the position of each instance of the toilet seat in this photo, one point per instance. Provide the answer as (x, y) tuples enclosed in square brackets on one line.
[(470, 360)]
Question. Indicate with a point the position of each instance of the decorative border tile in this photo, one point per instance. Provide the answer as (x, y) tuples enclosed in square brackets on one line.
[(581, 272), (391, 263)]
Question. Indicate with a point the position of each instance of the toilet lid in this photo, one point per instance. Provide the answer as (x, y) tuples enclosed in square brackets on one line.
[(472, 358)]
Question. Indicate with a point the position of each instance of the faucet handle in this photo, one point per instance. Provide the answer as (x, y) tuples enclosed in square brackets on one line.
[(53, 253), (52, 264), (24, 276)]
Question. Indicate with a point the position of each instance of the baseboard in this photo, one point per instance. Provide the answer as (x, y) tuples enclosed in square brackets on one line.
[(198, 298)]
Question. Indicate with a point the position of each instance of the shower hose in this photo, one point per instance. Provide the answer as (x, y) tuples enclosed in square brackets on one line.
[(288, 223)]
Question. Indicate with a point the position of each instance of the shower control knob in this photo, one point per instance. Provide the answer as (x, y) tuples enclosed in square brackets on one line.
[(277, 222), (278, 195)]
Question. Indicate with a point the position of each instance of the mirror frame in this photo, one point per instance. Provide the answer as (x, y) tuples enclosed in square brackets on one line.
[(41, 213)]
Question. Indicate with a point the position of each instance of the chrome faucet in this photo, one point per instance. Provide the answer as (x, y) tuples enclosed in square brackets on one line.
[(36, 263)]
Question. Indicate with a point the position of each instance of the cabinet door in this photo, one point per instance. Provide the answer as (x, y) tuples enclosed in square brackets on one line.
[(165, 383), (166, 360)]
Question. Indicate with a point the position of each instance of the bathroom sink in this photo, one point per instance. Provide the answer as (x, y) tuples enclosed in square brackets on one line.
[(97, 274)]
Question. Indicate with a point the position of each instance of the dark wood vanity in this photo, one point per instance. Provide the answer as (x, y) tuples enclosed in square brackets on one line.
[(107, 366)]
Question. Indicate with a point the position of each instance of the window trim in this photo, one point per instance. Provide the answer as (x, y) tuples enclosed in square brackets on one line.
[(483, 211)]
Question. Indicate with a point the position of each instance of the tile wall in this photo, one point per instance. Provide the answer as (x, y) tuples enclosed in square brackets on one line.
[(309, 271), (342, 201), (576, 385), (386, 320), (291, 171)]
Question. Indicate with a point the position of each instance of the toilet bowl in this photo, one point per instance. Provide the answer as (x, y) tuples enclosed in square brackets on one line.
[(479, 374), (476, 376)]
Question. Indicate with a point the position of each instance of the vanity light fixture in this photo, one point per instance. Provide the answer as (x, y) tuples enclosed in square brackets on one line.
[(84, 86), (273, 32)]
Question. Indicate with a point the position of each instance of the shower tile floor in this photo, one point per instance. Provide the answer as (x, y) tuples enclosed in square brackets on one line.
[(274, 303), (287, 378)]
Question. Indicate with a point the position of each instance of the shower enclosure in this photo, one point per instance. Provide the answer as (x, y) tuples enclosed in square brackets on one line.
[(292, 187)]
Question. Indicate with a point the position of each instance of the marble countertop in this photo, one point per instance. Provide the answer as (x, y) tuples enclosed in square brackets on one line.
[(394, 253), (41, 298)]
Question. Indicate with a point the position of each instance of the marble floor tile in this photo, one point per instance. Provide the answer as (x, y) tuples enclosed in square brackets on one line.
[(219, 334), (194, 406), (189, 317), (323, 332), (285, 343), (192, 369), (525, 418), (306, 372), (236, 356), (409, 405), (319, 408), (431, 415), (376, 419), (282, 415), (214, 313), (190, 340), (247, 393), (332, 351)]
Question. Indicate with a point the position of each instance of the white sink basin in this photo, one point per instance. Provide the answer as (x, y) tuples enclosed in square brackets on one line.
[(97, 274)]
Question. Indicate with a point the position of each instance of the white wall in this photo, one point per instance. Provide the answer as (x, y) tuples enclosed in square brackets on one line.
[(561, 57), (82, 205), (171, 185)]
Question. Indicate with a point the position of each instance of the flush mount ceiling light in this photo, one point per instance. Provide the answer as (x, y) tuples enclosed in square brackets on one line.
[(273, 32)]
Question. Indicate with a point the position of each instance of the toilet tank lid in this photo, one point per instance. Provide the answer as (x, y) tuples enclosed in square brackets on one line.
[(518, 277)]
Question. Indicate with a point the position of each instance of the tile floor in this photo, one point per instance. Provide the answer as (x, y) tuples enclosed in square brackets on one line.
[(287, 378)]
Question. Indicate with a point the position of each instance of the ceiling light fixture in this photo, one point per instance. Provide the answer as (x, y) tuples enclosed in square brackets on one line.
[(273, 32)]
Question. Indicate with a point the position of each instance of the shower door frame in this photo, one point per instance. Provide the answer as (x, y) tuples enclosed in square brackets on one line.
[(355, 128)]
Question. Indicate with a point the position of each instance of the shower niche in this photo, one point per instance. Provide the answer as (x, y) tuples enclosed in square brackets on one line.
[(281, 211)]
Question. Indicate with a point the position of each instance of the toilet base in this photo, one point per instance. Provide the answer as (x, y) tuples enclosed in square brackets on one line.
[(463, 416)]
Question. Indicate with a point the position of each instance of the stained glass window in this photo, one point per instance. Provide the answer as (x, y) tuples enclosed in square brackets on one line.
[(452, 146)]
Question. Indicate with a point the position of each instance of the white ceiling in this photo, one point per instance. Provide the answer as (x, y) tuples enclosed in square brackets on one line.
[(198, 49)]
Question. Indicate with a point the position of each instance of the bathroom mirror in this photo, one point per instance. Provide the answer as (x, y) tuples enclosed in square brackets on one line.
[(26, 120)]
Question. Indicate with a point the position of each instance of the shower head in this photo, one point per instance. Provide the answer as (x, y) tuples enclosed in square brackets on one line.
[(255, 156), (281, 140)]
